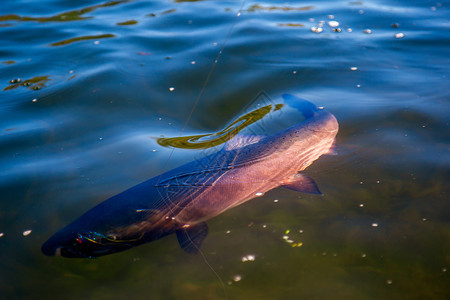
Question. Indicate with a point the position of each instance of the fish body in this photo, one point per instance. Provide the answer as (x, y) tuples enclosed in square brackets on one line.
[(181, 200)]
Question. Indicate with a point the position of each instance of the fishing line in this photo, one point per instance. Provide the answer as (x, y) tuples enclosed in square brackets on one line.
[(194, 106), (205, 83)]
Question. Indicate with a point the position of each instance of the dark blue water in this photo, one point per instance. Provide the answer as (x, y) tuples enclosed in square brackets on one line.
[(87, 87)]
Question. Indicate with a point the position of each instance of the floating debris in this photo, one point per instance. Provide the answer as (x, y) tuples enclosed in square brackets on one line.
[(275, 201), (316, 29), (15, 80), (361, 205), (374, 224), (26, 232), (389, 281), (333, 23), (399, 35), (237, 278), (395, 25), (126, 23), (353, 68), (34, 100), (367, 31), (349, 30), (171, 89), (336, 30), (1, 234), (247, 258), (259, 194), (193, 62), (363, 255)]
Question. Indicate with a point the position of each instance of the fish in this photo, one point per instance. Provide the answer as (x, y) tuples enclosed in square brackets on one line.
[(181, 200)]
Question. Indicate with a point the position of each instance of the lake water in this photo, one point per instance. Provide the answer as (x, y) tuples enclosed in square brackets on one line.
[(87, 87)]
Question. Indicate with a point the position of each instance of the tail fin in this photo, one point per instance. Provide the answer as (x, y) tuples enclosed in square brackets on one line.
[(304, 106)]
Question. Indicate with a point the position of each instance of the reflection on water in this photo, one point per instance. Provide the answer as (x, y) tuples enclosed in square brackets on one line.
[(257, 7), (74, 15), (203, 141), (82, 38), (129, 22)]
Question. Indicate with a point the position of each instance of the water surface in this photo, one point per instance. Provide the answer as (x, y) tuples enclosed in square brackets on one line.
[(87, 88)]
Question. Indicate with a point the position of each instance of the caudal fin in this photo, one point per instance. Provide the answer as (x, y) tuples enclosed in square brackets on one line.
[(304, 106)]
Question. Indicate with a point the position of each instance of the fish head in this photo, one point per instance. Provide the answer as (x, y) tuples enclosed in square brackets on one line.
[(101, 232), (87, 244)]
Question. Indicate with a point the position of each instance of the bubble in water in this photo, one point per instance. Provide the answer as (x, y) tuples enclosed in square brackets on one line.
[(399, 35)]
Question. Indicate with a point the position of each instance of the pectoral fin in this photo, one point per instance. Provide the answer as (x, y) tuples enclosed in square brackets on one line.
[(191, 238), (302, 183)]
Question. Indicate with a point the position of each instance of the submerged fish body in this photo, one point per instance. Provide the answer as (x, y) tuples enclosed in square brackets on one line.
[(181, 200)]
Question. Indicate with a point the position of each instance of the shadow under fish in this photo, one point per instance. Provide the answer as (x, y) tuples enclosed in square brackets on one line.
[(181, 200)]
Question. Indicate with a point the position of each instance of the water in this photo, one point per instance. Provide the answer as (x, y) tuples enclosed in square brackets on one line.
[(100, 82)]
